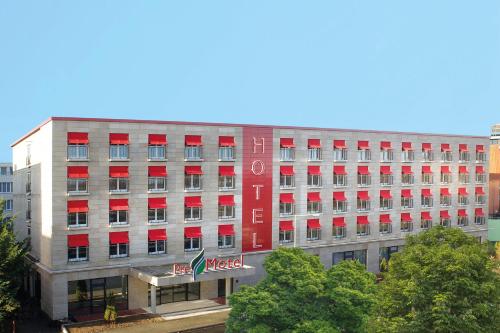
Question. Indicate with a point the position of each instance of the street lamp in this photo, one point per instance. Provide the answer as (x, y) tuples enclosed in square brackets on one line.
[(295, 230)]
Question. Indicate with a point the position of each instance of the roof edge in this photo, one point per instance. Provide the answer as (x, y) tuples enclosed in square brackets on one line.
[(33, 131)]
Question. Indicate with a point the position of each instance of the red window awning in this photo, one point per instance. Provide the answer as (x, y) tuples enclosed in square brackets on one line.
[(445, 192), (339, 170), (445, 147), (339, 196), (193, 201), (406, 146), (462, 191), (192, 140), (426, 216), (226, 200), (118, 204), (286, 225), (463, 169), (157, 139), (118, 237), (445, 169), (157, 203), (385, 218), (462, 212), (362, 220), (339, 222), (157, 171), (157, 234), (78, 138), (286, 170), (363, 145), (406, 170), (313, 224), (480, 191), (384, 145), (363, 170), (226, 141), (286, 198), (313, 143), (192, 232), (479, 169), (480, 148), (363, 195), (118, 171), (226, 170), (426, 169), (444, 214), (78, 172), (385, 194), (406, 217), (313, 170), (118, 138), (193, 170), (385, 170), (78, 240), (313, 197), (287, 143), (462, 147), (426, 146), (339, 144), (426, 192), (479, 212), (226, 230), (406, 193), (78, 206)]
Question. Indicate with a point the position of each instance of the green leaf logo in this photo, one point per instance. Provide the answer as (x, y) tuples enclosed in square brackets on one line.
[(198, 264)]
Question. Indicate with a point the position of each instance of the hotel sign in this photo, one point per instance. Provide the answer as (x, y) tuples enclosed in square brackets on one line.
[(200, 265)]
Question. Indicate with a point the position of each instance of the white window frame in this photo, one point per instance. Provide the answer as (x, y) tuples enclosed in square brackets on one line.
[(406, 202), (120, 219), (364, 180), (463, 200), (118, 151), (287, 181), (285, 236), (463, 157), (227, 212), (427, 155), (339, 206), (156, 214), (386, 155), (463, 221), (193, 213), (314, 180), (340, 154), (78, 152), (480, 178), (446, 156), (427, 178), (338, 232), (191, 241), (224, 180), (155, 181), (445, 178), (445, 222), (78, 216), (225, 241), (157, 152), (480, 199), (364, 155), (427, 202), (78, 255), (480, 157), (189, 182), (339, 180), (226, 153), (463, 178), (385, 204), (193, 153), (479, 220), (313, 234), (425, 224), (408, 155), (363, 205), (407, 179), (119, 182), (286, 209), (314, 207), (385, 228), (157, 247), (314, 154), (287, 154), (78, 183), (386, 179), (445, 200), (406, 226), (120, 251), (362, 229)]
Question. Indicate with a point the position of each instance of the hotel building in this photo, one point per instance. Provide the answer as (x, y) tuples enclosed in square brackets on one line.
[(124, 206)]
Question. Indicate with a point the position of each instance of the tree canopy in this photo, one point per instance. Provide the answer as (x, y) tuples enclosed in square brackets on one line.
[(443, 281), (298, 295)]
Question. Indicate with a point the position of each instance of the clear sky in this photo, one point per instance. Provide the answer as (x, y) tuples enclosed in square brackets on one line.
[(427, 66)]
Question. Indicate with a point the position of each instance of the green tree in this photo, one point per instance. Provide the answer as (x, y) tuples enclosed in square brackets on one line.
[(12, 268), (443, 281), (299, 295)]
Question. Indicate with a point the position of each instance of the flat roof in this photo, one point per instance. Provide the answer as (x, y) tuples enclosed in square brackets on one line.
[(167, 122)]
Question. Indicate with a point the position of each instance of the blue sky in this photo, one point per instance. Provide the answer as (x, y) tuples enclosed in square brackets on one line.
[(427, 66)]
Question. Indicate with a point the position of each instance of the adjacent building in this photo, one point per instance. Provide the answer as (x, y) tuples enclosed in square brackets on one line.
[(159, 212), (6, 188)]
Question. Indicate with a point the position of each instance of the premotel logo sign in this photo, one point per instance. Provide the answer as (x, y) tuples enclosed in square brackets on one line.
[(257, 189), (200, 265)]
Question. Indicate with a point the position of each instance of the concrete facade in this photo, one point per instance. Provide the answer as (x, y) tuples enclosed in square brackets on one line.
[(6, 191), (47, 150)]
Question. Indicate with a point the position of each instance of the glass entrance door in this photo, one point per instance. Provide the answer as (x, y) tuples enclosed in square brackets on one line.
[(97, 295)]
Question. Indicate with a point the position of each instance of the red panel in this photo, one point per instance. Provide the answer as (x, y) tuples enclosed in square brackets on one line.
[(406, 193), (363, 145), (445, 169), (463, 147), (426, 192), (193, 170), (406, 146), (479, 212), (192, 232), (445, 147), (406, 170), (118, 171), (462, 191), (339, 144), (426, 146), (313, 143), (78, 172), (426, 169), (226, 230), (363, 170), (385, 170), (193, 201), (425, 216), (385, 145), (314, 170), (363, 195), (118, 204), (462, 212), (118, 138), (313, 197), (227, 170), (118, 237), (480, 191), (78, 206), (480, 148), (157, 139), (339, 222), (77, 138), (226, 200), (226, 141), (157, 203), (287, 143), (157, 234), (463, 169), (444, 214), (406, 217), (78, 240), (287, 170), (157, 171), (479, 169), (385, 218), (362, 219), (192, 140), (257, 192), (313, 224), (445, 192), (287, 198), (339, 170), (339, 196), (386, 194), (286, 225)]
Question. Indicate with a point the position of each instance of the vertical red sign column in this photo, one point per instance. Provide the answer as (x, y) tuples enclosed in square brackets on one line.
[(257, 186)]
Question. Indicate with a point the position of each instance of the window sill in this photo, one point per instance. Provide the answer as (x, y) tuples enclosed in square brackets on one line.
[(312, 240), (75, 227), (77, 160), (194, 160), (228, 219), (386, 185), (116, 225), (339, 186), (226, 189), (339, 161), (339, 212), (286, 215), (76, 261), (118, 192), (287, 160), (364, 161), (385, 233), (312, 161), (77, 194), (226, 248), (229, 160), (406, 184), (364, 186), (383, 209), (338, 238), (157, 159), (191, 250), (314, 186), (157, 253), (362, 235), (287, 188), (193, 190), (386, 161), (407, 161), (363, 211), (193, 221), (118, 257), (118, 159), (406, 208), (157, 191), (157, 223)]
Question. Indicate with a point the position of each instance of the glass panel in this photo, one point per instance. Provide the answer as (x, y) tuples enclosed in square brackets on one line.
[(179, 291)]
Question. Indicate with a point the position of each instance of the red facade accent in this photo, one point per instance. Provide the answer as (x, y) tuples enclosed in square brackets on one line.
[(426, 169), (339, 170), (287, 143), (426, 192), (313, 170), (462, 191), (462, 169), (118, 237), (363, 145), (480, 191), (462, 212), (157, 234), (157, 171), (313, 197), (363, 195), (226, 230), (445, 169), (426, 216), (406, 217), (287, 170), (78, 138), (192, 232), (78, 172), (78, 240), (193, 201), (313, 143), (192, 140), (480, 148), (118, 171), (193, 170), (339, 222), (385, 170), (406, 193), (78, 206), (362, 220), (226, 170), (339, 196), (118, 204), (363, 170), (385, 218), (226, 141), (118, 138), (226, 200), (406, 170), (444, 214), (406, 146), (462, 147), (386, 194), (313, 224), (445, 147), (286, 225), (157, 139), (445, 192), (339, 144), (385, 145), (157, 203), (426, 146)]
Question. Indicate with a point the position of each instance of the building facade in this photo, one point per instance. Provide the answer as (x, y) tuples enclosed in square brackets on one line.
[(159, 212), (6, 187)]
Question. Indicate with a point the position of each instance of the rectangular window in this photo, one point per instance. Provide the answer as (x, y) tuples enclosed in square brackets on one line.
[(480, 199), (406, 226), (118, 152), (226, 212), (286, 236), (407, 179), (286, 208), (287, 181), (313, 207), (362, 229), (226, 241), (226, 153), (445, 200), (77, 219), (157, 184), (364, 180), (463, 178), (363, 205), (445, 178), (427, 179), (314, 180), (364, 155), (406, 202), (359, 255), (28, 182), (480, 157), (480, 178), (427, 155), (314, 154), (463, 221), (385, 203), (425, 223), (79, 253), (157, 247), (157, 215), (386, 155), (427, 201), (464, 157), (192, 213), (78, 152), (386, 179), (407, 156), (77, 185), (6, 187), (479, 220), (287, 154), (463, 200), (385, 228), (193, 153), (339, 206), (226, 183), (338, 232), (445, 222), (313, 234), (157, 152), (340, 154), (118, 184), (117, 217), (192, 182), (192, 244), (118, 250), (8, 205), (446, 156), (339, 180)]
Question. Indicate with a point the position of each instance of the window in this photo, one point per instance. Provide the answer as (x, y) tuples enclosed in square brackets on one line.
[(77, 185), (287, 149), (157, 184), (427, 201), (192, 244), (192, 209), (28, 182), (226, 236), (364, 153), (78, 148), (406, 199), (463, 153), (446, 155), (359, 255), (314, 150), (286, 208), (192, 179), (427, 178), (313, 230), (445, 198), (445, 175), (364, 178), (314, 176), (463, 198), (480, 154), (386, 152), (8, 205), (407, 153), (385, 253), (77, 219), (226, 148), (385, 224), (193, 148), (79, 253), (479, 218), (463, 219), (118, 250), (3, 171), (286, 236), (157, 150), (480, 175), (77, 179), (385, 200), (407, 175), (386, 178), (445, 219), (427, 155), (226, 207), (363, 202), (226, 178), (287, 176), (118, 151), (339, 150), (362, 226), (28, 209), (157, 210), (339, 202), (406, 222), (338, 232), (118, 181), (339, 176), (425, 220), (463, 175), (6, 187), (118, 211), (313, 203), (480, 196), (157, 247)]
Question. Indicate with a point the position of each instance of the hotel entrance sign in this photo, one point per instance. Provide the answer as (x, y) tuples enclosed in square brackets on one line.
[(200, 265)]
